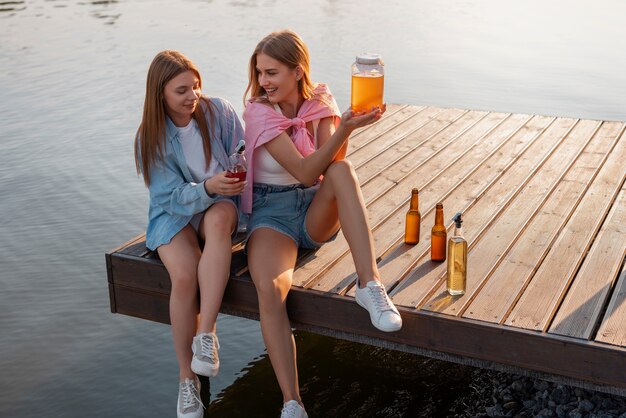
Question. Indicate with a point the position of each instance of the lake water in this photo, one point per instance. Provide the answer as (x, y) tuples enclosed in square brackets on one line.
[(72, 77)]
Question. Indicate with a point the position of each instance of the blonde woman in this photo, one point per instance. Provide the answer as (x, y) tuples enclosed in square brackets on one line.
[(294, 135)]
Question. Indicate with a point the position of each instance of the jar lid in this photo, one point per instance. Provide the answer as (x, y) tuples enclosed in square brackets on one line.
[(369, 58)]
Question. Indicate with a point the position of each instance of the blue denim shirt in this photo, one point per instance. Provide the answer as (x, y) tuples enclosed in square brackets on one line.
[(174, 197)]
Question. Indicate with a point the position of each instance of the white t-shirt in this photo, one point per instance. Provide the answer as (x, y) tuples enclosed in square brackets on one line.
[(191, 141), (268, 170)]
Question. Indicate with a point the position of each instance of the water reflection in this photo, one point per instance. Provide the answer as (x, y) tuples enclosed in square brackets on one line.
[(336, 376), (11, 6), (104, 8), (104, 11)]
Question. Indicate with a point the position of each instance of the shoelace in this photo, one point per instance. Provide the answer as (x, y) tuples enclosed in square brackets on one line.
[(381, 301), (191, 397), (209, 345)]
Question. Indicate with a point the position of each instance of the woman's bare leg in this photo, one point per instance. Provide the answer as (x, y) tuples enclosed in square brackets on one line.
[(180, 258), (339, 201), (271, 259), (217, 225)]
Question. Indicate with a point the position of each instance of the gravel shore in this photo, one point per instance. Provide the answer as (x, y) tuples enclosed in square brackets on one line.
[(496, 394)]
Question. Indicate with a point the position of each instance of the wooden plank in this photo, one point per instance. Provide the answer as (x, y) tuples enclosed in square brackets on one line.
[(434, 139), (410, 140), (392, 207), (139, 303), (540, 158), (397, 263), (580, 312), (494, 242), (612, 329), (110, 276), (389, 237), (317, 264), (395, 134), (392, 109), (373, 132), (505, 345), (129, 243), (554, 355), (504, 282), (539, 302)]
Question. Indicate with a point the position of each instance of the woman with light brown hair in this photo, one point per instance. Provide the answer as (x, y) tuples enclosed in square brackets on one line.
[(294, 136), (182, 150)]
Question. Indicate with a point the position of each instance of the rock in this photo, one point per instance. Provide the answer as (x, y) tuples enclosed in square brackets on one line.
[(510, 405), (575, 414), (494, 411), (518, 386), (530, 403), (607, 403), (541, 385), (568, 407), (586, 405), (560, 395), (603, 414)]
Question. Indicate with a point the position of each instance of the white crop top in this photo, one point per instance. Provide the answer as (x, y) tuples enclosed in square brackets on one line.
[(268, 170)]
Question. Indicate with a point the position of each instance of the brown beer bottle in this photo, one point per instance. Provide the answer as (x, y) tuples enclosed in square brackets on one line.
[(413, 220), (438, 236)]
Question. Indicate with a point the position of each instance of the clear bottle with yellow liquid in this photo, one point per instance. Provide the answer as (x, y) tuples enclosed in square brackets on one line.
[(368, 82), (413, 220), (457, 259)]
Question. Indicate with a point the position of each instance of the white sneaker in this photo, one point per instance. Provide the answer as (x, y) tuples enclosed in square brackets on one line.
[(205, 360), (292, 409), (383, 313), (189, 403)]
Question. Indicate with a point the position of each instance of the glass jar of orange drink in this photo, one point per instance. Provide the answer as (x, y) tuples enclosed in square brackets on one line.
[(368, 81)]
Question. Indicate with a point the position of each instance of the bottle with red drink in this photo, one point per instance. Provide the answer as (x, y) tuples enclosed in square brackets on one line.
[(238, 164)]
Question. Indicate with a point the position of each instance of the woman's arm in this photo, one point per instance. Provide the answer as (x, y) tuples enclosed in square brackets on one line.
[(330, 142), (170, 191), (325, 130)]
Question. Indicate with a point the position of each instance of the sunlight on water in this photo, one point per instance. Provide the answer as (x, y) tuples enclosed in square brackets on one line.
[(72, 75)]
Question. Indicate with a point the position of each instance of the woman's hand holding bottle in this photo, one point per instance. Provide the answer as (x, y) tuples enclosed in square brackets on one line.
[(223, 185)]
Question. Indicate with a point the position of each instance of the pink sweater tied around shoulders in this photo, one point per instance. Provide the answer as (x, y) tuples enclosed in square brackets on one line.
[(264, 123)]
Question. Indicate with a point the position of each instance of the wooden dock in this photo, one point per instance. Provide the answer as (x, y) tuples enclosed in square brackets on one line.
[(544, 204)]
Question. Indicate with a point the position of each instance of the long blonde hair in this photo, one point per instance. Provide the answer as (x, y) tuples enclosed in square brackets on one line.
[(151, 135), (287, 47)]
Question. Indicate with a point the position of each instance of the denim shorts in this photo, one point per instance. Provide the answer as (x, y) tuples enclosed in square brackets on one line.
[(283, 209)]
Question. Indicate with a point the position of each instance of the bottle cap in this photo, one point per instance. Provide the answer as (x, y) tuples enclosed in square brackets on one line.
[(458, 219), (368, 58), (414, 190), (241, 146)]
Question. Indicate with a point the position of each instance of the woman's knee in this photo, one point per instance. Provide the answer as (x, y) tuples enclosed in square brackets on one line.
[(184, 282), (273, 291), (219, 219), (340, 169)]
